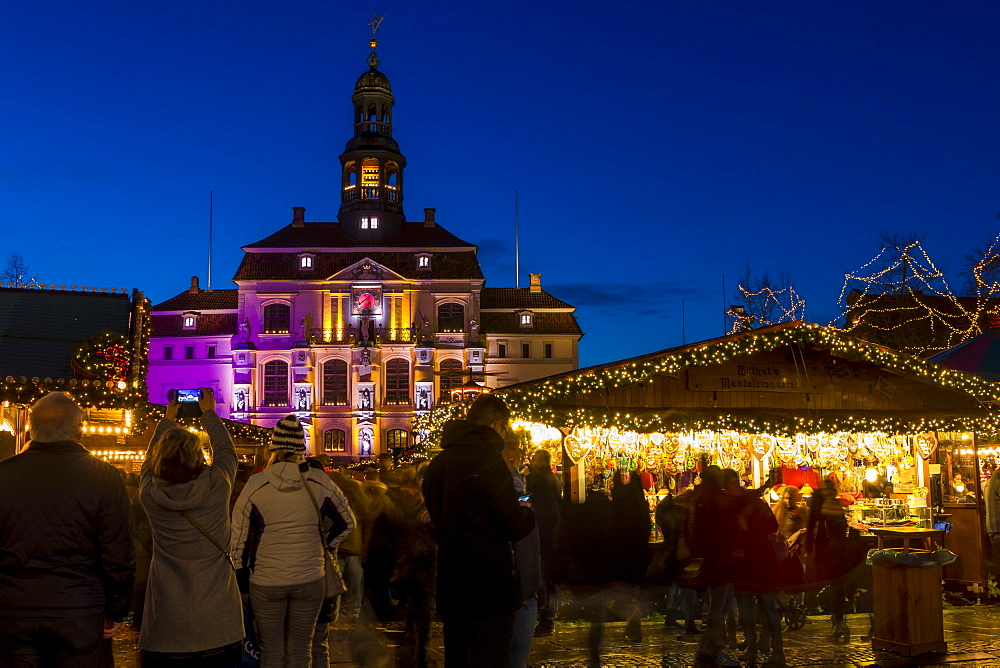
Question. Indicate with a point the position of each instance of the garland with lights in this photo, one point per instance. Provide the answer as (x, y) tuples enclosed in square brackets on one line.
[(533, 401), (102, 357), (767, 307), (906, 303)]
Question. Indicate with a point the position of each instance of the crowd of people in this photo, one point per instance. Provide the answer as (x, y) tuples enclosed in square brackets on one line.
[(199, 551)]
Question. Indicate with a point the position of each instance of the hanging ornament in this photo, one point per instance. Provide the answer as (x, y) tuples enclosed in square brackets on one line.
[(102, 357), (925, 444), (763, 444)]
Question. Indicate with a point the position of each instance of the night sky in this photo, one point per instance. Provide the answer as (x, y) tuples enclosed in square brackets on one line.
[(656, 146)]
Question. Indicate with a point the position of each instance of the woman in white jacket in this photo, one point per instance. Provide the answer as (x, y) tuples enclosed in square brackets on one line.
[(276, 536)]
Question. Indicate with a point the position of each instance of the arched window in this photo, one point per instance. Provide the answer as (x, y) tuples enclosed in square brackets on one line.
[(369, 178), (451, 318), (449, 379), (396, 440), (277, 318), (334, 440), (276, 383), (335, 383), (397, 381)]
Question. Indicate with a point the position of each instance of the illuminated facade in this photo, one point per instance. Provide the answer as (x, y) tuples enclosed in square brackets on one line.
[(361, 324)]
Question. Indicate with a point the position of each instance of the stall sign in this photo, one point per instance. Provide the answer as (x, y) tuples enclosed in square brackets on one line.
[(752, 377)]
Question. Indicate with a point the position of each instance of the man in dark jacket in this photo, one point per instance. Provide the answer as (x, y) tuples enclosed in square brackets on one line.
[(476, 516), (66, 554)]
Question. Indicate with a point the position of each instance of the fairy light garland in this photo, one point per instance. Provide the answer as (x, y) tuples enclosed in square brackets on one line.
[(759, 304), (531, 401), (894, 305)]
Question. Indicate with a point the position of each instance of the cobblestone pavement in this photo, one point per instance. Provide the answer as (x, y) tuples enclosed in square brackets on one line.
[(971, 632)]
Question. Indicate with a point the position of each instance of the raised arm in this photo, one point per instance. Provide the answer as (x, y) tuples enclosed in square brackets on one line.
[(219, 439)]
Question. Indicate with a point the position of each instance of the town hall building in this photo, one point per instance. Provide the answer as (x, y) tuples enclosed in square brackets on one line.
[(358, 325)]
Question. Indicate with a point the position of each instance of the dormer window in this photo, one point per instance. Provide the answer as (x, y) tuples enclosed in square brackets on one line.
[(306, 261), (526, 318), (369, 222), (424, 261), (190, 320)]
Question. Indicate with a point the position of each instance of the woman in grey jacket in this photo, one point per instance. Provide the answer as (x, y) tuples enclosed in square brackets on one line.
[(276, 535), (192, 612)]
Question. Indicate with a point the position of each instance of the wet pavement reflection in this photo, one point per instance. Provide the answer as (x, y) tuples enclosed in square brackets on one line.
[(971, 632)]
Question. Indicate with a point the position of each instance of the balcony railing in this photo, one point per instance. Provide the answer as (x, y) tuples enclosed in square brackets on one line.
[(320, 335), (353, 336)]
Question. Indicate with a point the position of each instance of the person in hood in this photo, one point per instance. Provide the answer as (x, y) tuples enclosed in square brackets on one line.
[(475, 516), (192, 609), (276, 536)]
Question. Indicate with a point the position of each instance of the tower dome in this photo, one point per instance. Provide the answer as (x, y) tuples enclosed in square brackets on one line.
[(371, 205)]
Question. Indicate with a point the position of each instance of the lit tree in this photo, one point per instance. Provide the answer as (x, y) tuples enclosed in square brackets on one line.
[(762, 302), (900, 299)]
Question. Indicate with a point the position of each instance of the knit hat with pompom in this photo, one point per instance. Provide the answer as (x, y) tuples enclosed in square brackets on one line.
[(288, 436)]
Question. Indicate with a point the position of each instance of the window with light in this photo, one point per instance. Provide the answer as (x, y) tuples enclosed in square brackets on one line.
[(189, 321), (525, 319), (397, 381), (396, 439), (451, 317), (335, 440), (277, 318), (276, 383), (449, 379), (335, 383), (306, 262)]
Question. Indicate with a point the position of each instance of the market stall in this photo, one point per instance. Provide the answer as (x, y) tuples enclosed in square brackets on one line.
[(798, 399)]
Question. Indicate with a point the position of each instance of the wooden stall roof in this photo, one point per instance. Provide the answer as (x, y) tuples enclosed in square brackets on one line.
[(825, 380), (41, 326)]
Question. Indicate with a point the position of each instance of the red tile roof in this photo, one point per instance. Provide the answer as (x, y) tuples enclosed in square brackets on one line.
[(329, 235), (203, 300), (518, 298), (544, 323), (285, 266), (209, 324)]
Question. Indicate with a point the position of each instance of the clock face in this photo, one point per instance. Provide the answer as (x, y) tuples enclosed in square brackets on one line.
[(367, 301)]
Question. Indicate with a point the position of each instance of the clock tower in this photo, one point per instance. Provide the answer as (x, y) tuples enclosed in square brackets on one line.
[(371, 189)]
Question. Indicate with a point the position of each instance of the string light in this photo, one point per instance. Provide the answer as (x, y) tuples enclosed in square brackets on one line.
[(533, 401), (762, 304), (901, 298)]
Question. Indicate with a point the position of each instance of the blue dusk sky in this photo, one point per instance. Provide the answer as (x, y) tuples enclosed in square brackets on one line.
[(657, 147)]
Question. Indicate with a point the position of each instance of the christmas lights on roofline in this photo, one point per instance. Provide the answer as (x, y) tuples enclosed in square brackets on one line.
[(529, 402)]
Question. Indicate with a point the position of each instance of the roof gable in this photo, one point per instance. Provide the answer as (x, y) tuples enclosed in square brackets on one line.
[(365, 269)]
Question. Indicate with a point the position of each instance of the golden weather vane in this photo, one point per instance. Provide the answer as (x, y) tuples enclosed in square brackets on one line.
[(374, 23), (373, 58)]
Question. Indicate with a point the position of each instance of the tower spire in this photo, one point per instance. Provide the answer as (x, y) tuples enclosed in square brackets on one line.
[(373, 59), (371, 188)]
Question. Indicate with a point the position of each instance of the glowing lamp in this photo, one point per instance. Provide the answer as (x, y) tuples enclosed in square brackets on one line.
[(871, 475)]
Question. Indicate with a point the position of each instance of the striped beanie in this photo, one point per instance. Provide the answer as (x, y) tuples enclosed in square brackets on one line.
[(288, 435)]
